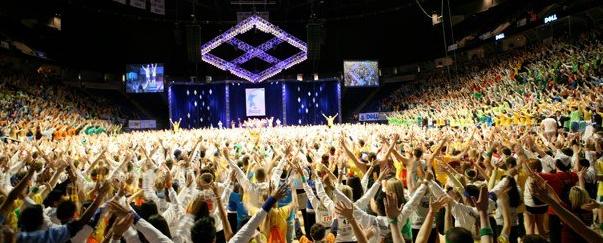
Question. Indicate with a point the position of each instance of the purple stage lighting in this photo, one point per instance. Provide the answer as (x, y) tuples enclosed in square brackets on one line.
[(234, 66)]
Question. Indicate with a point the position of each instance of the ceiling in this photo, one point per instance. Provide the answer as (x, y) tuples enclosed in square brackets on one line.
[(106, 35)]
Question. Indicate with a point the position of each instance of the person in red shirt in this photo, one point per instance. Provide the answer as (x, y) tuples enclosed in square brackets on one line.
[(561, 181)]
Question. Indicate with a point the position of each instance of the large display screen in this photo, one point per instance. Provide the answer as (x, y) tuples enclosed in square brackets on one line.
[(144, 78), (361, 73), (255, 102)]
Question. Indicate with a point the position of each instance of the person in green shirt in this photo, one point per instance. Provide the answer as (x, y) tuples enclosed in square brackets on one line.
[(575, 118)]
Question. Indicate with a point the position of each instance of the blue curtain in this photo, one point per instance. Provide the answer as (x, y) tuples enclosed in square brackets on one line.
[(307, 101), (293, 102), (197, 105)]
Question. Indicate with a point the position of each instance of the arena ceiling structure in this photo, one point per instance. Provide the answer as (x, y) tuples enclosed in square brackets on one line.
[(107, 34)]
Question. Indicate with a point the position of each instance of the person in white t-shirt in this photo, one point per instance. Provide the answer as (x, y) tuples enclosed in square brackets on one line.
[(550, 128)]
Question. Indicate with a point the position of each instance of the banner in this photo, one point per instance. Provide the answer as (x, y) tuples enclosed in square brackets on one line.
[(142, 4), (120, 1), (142, 124), (158, 7), (255, 102), (372, 116)]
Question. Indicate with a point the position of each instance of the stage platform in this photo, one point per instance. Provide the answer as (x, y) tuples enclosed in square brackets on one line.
[(231, 103)]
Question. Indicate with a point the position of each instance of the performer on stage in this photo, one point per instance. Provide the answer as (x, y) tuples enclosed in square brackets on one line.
[(330, 119), (175, 125)]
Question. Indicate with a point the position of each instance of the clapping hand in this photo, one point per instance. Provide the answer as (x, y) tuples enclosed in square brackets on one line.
[(439, 203)]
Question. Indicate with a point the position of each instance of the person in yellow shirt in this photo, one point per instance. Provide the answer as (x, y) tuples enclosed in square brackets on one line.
[(330, 119), (587, 112), (176, 125)]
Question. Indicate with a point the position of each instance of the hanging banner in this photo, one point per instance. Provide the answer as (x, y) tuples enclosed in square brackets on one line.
[(158, 7), (142, 124), (142, 4), (120, 1), (372, 116)]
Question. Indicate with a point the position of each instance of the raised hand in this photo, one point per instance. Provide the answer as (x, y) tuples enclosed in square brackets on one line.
[(280, 192), (391, 206), (384, 173), (117, 209), (482, 201), (122, 225), (439, 203), (347, 211)]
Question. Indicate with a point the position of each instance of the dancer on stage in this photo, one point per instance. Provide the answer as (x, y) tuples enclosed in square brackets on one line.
[(330, 119), (175, 125)]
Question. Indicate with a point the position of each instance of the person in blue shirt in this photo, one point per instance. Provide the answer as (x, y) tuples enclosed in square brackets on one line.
[(32, 221), (236, 207), (32, 217)]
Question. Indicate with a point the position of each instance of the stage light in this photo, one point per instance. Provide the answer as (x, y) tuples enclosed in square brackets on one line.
[(260, 52), (300, 77), (315, 76)]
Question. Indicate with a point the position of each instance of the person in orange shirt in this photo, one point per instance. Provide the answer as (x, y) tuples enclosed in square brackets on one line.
[(318, 233), (276, 220)]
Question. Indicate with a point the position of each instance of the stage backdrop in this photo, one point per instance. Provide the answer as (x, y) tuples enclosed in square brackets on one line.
[(291, 102)]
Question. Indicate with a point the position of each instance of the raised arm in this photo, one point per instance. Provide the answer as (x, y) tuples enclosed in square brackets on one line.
[(434, 208), (241, 177), (324, 198), (95, 162), (545, 193), (247, 231), (363, 167), (486, 232), (347, 211), (222, 212), (7, 205)]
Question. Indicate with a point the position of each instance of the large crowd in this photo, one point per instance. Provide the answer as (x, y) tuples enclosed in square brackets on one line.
[(516, 88), (512, 151), (34, 107)]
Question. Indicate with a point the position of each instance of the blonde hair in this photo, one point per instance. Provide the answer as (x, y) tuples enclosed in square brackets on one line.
[(578, 197), (394, 185), (347, 191)]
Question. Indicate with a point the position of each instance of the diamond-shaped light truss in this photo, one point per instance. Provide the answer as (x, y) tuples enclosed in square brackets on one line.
[(234, 66)]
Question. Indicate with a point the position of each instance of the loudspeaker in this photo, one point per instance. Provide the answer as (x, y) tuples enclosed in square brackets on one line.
[(314, 31), (193, 43)]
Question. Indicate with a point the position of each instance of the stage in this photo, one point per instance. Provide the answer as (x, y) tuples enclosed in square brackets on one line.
[(231, 103)]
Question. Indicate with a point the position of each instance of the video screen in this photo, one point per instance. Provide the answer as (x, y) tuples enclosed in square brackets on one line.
[(144, 78), (255, 102), (361, 73)]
